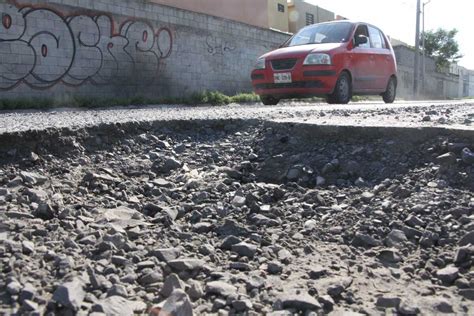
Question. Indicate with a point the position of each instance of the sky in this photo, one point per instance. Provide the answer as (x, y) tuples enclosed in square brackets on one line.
[(397, 18)]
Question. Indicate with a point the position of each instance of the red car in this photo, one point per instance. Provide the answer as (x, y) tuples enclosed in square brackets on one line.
[(336, 60)]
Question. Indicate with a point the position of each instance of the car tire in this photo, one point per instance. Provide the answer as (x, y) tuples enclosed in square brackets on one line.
[(269, 100), (342, 91), (391, 93)]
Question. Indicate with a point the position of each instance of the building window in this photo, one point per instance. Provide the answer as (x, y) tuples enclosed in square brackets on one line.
[(281, 8), (309, 18)]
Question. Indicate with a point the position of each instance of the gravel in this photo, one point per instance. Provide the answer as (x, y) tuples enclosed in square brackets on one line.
[(206, 218)]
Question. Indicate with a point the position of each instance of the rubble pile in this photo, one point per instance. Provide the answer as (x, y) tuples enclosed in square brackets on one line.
[(240, 219)]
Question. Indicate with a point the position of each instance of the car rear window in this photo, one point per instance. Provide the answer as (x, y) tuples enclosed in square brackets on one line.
[(322, 33)]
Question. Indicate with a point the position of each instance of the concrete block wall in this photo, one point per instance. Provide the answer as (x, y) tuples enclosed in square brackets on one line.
[(123, 48), (468, 85), (435, 86), (127, 48)]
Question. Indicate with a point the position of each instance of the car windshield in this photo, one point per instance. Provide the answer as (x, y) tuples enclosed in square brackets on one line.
[(322, 33)]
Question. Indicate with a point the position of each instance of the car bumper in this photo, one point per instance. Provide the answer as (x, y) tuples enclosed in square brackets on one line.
[(306, 81)]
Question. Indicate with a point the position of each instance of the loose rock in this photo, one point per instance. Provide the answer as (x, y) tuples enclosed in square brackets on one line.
[(301, 302), (70, 294), (245, 249), (177, 304), (220, 288)]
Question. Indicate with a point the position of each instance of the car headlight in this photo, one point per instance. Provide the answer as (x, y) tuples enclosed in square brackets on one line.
[(317, 59), (260, 64)]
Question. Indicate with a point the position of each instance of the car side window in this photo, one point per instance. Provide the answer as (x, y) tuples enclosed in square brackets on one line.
[(384, 40), (363, 30), (376, 38)]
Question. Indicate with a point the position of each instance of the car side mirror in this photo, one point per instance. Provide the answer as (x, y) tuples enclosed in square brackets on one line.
[(360, 40)]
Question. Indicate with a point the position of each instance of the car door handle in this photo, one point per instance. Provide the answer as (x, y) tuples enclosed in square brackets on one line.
[(372, 57)]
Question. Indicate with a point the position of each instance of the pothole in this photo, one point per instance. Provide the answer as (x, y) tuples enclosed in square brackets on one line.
[(268, 210)]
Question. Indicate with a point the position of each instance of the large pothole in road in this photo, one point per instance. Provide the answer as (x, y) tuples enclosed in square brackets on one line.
[(312, 157), (281, 216)]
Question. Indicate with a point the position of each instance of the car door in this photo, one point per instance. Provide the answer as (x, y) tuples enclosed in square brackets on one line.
[(381, 58), (362, 62)]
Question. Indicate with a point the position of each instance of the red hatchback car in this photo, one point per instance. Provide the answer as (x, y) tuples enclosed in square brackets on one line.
[(336, 60)]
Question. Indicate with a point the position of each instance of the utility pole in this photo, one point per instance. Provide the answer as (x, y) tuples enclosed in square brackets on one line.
[(423, 71), (417, 50)]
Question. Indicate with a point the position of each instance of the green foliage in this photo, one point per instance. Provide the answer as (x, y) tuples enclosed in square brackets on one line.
[(245, 98), (207, 97), (442, 46), (22, 104)]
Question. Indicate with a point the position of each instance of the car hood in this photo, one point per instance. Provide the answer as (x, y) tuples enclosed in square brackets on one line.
[(301, 50)]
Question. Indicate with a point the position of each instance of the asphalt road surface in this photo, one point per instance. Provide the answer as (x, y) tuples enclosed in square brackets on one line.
[(453, 114)]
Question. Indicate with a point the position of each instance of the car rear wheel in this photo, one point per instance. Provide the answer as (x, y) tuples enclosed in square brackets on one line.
[(391, 93), (342, 91), (269, 100)]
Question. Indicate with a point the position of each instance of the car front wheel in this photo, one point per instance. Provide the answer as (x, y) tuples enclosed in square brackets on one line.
[(269, 100), (342, 91), (391, 93)]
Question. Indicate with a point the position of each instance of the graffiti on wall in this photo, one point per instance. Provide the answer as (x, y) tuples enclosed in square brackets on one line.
[(218, 46), (41, 48)]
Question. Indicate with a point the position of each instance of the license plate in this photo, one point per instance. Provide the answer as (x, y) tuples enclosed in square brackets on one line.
[(283, 77)]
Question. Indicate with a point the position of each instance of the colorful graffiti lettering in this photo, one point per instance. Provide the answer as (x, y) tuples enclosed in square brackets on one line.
[(41, 48)]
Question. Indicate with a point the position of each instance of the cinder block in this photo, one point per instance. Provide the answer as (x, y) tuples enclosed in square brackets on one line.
[(198, 68)]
